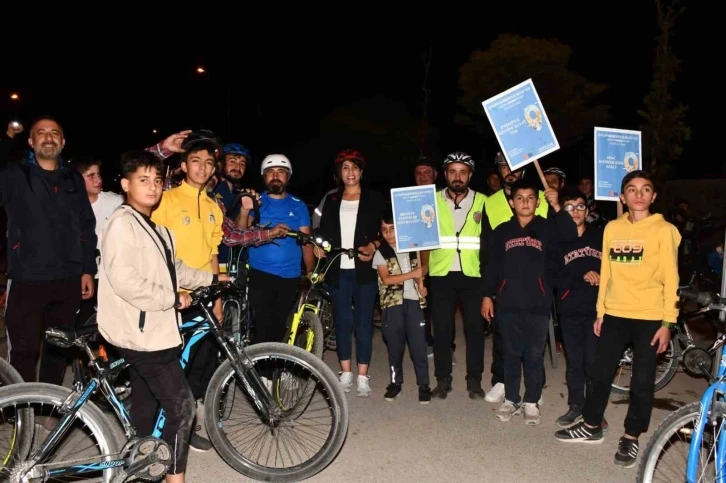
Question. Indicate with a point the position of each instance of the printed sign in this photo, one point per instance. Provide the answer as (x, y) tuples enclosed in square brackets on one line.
[(617, 152), (415, 218)]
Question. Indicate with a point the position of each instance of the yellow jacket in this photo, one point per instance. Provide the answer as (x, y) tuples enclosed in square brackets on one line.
[(196, 221)]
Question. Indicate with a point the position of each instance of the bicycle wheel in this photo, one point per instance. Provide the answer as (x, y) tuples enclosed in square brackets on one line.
[(47, 399), (19, 435), (309, 334), (666, 371), (676, 430), (300, 370)]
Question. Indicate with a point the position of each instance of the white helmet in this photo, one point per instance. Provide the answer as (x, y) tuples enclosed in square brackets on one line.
[(276, 161)]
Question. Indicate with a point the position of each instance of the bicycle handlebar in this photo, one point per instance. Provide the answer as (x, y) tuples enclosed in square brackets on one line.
[(255, 206), (204, 295), (701, 298), (306, 238)]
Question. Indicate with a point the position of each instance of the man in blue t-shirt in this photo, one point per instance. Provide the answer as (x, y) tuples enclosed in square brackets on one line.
[(275, 268)]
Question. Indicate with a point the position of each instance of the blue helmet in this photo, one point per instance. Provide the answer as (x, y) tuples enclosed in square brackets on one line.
[(235, 148)]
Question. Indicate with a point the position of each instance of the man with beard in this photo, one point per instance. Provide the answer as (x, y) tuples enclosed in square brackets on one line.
[(499, 211), (51, 250), (235, 158), (275, 269), (456, 273)]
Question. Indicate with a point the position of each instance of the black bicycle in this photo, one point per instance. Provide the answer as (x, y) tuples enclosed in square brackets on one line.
[(274, 412)]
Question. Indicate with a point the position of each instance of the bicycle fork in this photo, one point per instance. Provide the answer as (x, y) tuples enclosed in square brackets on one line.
[(708, 404)]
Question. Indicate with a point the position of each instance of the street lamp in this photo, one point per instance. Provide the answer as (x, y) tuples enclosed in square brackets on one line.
[(14, 96), (200, 70), (154, 131)]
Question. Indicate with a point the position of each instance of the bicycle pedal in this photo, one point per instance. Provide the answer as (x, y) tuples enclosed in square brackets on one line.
[(150, 460)]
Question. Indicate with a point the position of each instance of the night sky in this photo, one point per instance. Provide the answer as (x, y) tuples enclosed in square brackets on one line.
[(279, 84)]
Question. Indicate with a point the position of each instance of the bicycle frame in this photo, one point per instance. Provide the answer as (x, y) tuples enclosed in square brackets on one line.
[(715, 391)]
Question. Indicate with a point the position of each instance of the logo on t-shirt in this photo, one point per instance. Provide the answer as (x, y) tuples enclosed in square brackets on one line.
[(627, 251)]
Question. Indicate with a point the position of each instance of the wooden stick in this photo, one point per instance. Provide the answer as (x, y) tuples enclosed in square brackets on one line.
[(541, 174)]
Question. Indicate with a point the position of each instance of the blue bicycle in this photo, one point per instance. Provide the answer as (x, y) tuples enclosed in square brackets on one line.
[(690, 444), (274, 412)]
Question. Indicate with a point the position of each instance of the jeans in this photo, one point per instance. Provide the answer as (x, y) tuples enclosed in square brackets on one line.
[(353, 312)]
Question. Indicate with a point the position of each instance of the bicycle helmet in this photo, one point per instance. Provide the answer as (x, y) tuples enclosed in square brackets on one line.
[(351, 155), (276, 161), (557, 171), (235, 148), (459, 157), (500, 159)]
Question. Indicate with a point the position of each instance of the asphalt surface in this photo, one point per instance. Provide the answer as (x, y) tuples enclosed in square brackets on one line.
[(458, 439)]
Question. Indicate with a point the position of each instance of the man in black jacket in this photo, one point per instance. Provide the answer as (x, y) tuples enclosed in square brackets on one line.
[(51, 250)]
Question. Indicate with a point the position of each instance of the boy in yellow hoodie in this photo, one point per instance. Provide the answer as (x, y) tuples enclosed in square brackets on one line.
[(637, 302)]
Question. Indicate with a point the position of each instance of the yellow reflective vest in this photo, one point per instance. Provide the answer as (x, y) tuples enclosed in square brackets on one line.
[(498, 209), (465, 243)]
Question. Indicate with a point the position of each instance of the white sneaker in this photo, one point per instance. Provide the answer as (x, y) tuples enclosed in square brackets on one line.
[(531, 414), (199, 426), (507, 411), (346, 380), (495, 394), (364, 389)]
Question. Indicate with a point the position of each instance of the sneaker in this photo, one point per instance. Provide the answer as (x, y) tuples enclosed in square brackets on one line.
[(199, 420), (580, 433), (346, 380), (627, 452), (442, 389), (199, 444), (364, 388), (572, 416), (392, 391), (424, 394), (495, 394), (531, 414), (475, 390), (507, 411)]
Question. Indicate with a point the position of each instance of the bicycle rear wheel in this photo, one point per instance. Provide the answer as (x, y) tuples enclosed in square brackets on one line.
[(300, 413)]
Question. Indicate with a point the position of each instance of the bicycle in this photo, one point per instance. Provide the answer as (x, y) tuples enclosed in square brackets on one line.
[(244, 376), (311, 325), (695, 420), (677, 352)]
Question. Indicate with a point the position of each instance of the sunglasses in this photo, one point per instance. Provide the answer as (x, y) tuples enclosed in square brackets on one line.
[(579, 207)]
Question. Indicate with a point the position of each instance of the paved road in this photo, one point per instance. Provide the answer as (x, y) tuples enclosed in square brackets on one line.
[(459, 440)]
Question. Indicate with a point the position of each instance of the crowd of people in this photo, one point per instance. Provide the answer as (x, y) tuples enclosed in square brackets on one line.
[(508, 257)]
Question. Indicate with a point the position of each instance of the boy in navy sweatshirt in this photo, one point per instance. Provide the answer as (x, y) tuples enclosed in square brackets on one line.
[(575, 273), (516, 275)]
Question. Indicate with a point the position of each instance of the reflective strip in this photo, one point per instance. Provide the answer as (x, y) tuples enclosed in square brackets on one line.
[(460, 246), (318, 212), (469, 239)]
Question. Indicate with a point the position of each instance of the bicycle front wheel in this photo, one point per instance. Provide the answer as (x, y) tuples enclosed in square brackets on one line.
[(309, 334), (310, 417), (666, 456)]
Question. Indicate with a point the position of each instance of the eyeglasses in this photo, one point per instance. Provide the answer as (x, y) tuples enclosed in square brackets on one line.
[(579, 207)]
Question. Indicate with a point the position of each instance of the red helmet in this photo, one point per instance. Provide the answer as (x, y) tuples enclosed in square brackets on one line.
[(350, 155)]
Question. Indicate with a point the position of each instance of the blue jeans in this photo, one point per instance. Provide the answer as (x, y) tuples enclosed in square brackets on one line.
[(359, 319)]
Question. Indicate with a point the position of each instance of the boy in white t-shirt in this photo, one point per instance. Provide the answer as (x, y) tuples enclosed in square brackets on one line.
[(402, 300), (103, 203)]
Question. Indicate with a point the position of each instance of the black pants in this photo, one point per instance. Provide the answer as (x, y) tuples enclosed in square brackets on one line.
[(445, 291), (272, 299), (157, 380), (524, 336), (33, 307), (580, 345), (615, 335), (497, 353), (202, 357), (403, 323)]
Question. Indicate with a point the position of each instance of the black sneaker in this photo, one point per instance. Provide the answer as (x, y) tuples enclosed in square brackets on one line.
[(627, 452), (475, 390), (198, 443), (392, 391), (442, 389), (580, 433), (572, 416), (424, 394)]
